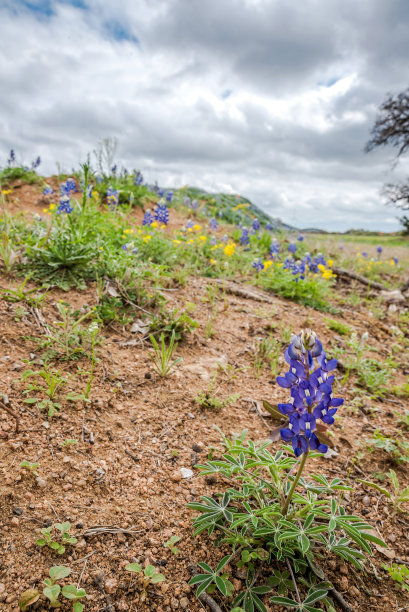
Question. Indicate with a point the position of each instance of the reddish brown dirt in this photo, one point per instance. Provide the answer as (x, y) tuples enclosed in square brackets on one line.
[(145, 429)]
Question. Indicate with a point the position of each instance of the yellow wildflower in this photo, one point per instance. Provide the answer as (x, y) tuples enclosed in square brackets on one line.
[(203, 238), (147, 238), (267, 264), (213, 261), (155, 224), (177, 242), (196, 228), (229, 249)]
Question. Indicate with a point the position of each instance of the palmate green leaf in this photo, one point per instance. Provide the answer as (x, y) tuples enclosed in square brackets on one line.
[(222, 563), (198, 578), (315, 595), (221, 585), (373, 485), (58, 572), (284, 601), (304, 543), (205, 567), (205, 584)]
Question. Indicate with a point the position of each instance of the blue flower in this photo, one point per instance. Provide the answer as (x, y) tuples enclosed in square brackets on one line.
[(269, 227), (64, 206), (311, 392), (256, 225), (274, 248), (147, 218), (213, 224), (213, 240), (161, 214), (12, 157), (186, 201), (112, 197), (125, 247), (47, 190), (138, 178), (114, 169), (292, 248), (160, 193), (194, 205), (300, 238), (258, 265), (244, 238), (395, 261), (36, 163), (169, 196), (225, 238), (379, 249), (68, 188)]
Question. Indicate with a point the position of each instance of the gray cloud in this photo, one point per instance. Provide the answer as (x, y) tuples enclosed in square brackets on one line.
[(266, 98)]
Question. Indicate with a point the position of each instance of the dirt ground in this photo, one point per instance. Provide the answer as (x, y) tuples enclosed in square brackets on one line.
[(124, 474)]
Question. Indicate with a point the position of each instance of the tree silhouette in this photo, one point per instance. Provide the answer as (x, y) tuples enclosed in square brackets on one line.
[(391, 127)]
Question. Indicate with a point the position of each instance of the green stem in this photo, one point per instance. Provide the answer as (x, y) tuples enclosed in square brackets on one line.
[(295, 482)]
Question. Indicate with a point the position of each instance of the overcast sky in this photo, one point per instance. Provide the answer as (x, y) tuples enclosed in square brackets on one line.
[(272, 99)]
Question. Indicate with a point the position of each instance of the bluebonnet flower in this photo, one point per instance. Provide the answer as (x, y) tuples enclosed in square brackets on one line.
[(169, 196), (160, 193), (292, 248), (47, 190), (220, 215), (112, 197), (395, 260), (379, 250), (64, 206), (67, 188), (125, 172), (125, 247), (186, 201), (244, 238), (311, 392), (274, 248), (36, 163), (135, 250), (12, 157), (213, 224), (258, 265), (138, 178), (114, 169), (364, 254), (194, 205), (269, 227), (300, 238), (189, 225), (161, 214), (147, 218), (256, 225), (213, 241), (225, 238)]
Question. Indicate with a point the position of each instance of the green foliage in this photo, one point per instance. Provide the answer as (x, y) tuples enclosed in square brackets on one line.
[(52, 590), (404, 420), (268, 526), (53, 382), (266, 351), (171, 544), (398, 573), (20, 294), (208, 400), (31, 467), (398, 450), (340, 328), (147, 576), (64, 537), (68, 338), (163, 355), (397, 497), (172, 322), (30, 177)]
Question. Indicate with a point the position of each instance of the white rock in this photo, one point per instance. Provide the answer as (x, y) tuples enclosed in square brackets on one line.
[(186, 473)]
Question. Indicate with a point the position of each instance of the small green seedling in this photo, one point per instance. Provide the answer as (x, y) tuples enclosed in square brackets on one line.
[(66, 538), (398, 573), (398, 497), (69, 442), (404, 420), (32, 467), (52, 590), (162, 357), (171, 544), (147, 576)]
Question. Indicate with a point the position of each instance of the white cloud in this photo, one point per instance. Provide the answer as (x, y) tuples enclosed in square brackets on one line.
[(267, 99)]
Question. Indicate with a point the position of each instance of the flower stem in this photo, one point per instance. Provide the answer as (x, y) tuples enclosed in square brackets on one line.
[(295, 482)]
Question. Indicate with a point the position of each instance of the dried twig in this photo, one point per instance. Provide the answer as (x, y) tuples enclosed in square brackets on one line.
[(100, 529), (9, 410), (206, 599), (293, 579), (359, 278)]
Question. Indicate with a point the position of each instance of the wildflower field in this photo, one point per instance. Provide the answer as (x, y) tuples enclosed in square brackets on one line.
[(199, 408)]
